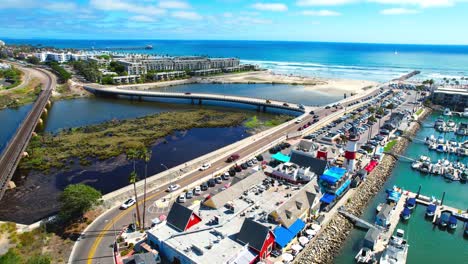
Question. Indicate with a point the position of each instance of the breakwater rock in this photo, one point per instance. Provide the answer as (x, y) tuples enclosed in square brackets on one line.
[(328, 242)]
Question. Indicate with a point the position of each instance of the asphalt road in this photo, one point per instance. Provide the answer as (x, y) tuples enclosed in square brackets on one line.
[(95, 245)]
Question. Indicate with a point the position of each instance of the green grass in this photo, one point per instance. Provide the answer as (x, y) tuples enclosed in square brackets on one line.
[(390, 145), (275, 120), (419, 111), (110, 139), (22, 96), (252, 122)]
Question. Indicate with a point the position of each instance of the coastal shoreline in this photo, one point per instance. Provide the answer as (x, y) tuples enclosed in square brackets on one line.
[(332, 238), (324, 85)]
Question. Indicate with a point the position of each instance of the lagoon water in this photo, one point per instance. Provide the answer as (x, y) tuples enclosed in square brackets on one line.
[(377, 62), (427, 244)]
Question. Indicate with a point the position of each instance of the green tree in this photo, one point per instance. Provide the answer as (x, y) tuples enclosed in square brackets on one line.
[(380, 111), (133, 180), (390, 106), (371, 109), (11, 257), (76, 199), (39, 259), (107, 80), (146, 156), (33, 60)]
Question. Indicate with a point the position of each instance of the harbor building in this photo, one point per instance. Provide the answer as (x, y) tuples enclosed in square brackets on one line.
[(335, 182), (196, 64), (241, 224), (454, 97)]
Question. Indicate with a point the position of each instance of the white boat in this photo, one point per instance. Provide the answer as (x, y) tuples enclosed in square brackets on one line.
[(437, 169), (447, 112), (440, 140), (426, 167), (365, 256), (439, 123), (465, 113), (430, 140), (451, 126), (396, 250), (379, 207)]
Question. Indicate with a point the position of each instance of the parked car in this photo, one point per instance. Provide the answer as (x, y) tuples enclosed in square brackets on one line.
[(259, 157), (218, 180), (181, 198), (205, 166), (197, 190), (233, 157), (249, 163), (173, 187), (232, 172), (211, 183), (204, 186), (238, 168), (244, 166), (189, 195), (127, 203), (225, 176)]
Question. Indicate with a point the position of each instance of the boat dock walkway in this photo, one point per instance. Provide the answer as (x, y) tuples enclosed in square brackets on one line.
[(356, 220), (379, 247), (461, 214)]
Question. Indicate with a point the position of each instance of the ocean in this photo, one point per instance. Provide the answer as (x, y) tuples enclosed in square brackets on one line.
[(376, 62)]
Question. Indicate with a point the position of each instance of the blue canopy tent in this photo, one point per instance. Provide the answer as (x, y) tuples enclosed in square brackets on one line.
[(284, 235), (393, 195), (343, 187), (332, 175), (327, 198), (281, 157)]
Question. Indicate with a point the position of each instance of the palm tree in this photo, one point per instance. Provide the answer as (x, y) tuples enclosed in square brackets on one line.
[(133, 179), (146, 155)]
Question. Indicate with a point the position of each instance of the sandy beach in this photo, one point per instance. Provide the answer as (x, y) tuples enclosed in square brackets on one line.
[(336, 86)]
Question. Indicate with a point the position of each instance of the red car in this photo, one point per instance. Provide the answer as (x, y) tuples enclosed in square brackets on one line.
[(299, 129), (233, 157)]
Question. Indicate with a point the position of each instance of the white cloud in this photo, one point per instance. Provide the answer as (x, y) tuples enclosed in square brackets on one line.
[(61, 6), (141, 18), (187, 15), (122, 5), (419, 3), (227, 15), (399, 11), (4, 4), (174, 5), (323, 2), (275, 7), (320, 13)]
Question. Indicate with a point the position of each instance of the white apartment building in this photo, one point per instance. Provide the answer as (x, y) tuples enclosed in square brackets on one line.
[(140, 65), (59, 56)]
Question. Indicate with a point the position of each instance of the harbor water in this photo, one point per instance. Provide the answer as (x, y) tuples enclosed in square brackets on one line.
[(428, 244)]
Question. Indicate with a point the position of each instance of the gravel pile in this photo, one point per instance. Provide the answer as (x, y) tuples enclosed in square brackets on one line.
[(328, 243)]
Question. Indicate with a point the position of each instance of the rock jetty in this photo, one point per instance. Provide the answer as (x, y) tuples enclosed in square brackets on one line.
[(328, 242)]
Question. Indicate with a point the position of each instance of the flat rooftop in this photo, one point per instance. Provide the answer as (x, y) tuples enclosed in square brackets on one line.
[(219, 242)]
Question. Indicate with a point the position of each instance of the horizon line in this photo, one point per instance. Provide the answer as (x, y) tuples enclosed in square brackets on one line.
[(251, 40)]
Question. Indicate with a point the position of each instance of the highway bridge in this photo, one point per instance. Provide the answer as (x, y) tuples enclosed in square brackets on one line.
[(13, 152), (262, 104)]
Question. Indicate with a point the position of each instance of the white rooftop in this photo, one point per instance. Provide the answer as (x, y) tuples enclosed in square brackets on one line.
[(218, 242)]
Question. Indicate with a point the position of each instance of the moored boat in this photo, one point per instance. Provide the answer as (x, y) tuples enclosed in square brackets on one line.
[(444, 217), (452, 222), (447, 112), (465, 113), (430, 210), (406, 213), (365, 256), (411, 203), (396, 250)]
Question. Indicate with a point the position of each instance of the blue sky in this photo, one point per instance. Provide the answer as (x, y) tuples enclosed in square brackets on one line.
[(375, 21)]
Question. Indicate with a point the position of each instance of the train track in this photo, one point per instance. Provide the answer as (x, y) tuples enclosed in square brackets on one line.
[(11, 156)]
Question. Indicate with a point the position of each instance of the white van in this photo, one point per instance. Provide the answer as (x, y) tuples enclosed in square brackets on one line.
[(299, 120), (197, 190)]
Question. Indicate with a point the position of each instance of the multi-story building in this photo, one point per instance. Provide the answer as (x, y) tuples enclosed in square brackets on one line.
[(453, 97), (141, 65), (59, 56)]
